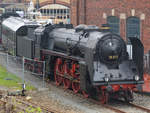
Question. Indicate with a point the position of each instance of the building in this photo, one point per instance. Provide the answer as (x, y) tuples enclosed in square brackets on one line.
[(129, 18), (58, 10)]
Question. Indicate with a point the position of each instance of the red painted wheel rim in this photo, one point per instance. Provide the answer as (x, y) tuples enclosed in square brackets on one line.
[(75, 87), (102, 95), (85, 94), (103, 98), (58, 78), (66, 83)]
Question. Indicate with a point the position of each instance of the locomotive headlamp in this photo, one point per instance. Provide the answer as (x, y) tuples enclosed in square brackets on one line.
[(137, 77), (110, 43), (106, 79)]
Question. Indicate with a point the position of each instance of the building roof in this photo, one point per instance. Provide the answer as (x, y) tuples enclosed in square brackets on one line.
[(54, 6)]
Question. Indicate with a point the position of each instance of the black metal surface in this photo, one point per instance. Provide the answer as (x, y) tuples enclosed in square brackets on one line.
[(83, 76), (117, 82), (100, 54), (59, 54), (10, 36), (105, 53), (111, 49), (25, 47), (3, 17), (138, 54)]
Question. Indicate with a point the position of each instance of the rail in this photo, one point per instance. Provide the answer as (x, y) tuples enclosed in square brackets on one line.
[(20, 104), (90, 99), (140, 107)]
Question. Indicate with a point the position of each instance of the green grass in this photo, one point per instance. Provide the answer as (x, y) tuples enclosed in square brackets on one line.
[(12, 81)]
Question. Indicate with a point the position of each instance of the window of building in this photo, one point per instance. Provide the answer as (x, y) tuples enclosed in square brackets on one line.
[(41, 10), (64, 11), (54, 11), (47, 11), (44, 11), (68, 16), (133, 27), (59, 13), (114, 24)]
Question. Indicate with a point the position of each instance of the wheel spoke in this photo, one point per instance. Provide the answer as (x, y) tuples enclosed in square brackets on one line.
[(58, 80), (75, 87), (66, 83)]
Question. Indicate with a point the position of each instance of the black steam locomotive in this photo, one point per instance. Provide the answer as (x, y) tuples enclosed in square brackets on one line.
[(84, 58)]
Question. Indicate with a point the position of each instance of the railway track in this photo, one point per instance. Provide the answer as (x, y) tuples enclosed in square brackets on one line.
[(33, 104), (21, 105), (140, 107), (107, 106), (117, 110), (137, 107), (89, 99)]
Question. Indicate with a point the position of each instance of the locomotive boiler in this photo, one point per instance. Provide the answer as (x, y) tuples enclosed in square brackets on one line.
[(91, 61)]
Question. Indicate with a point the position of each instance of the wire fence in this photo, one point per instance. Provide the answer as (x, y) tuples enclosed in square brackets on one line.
[(35, 67), (24, 68)]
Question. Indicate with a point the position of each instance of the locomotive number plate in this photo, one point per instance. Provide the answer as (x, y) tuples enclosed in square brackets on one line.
[(113, 57)]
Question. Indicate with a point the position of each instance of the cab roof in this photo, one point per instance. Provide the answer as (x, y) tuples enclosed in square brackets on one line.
[(14, 23)]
